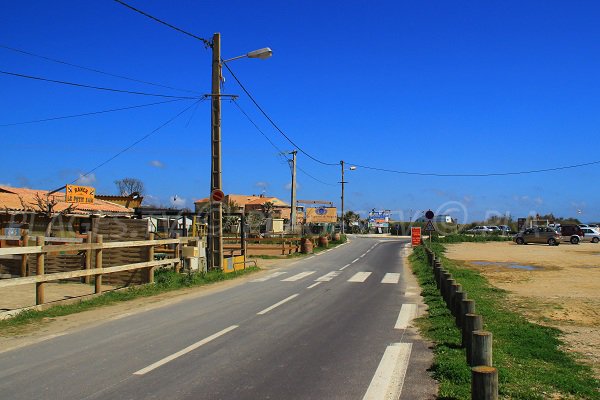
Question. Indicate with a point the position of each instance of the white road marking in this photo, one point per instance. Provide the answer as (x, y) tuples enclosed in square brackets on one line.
[(327, 277), (308, 258), (360, 277), (313, 285), (298, 276), (344, 267), (389, 378), (266, 310), (270, 276), (355, 261), (410, 293), (407, 313), (391, 277), (362, 255), (184, 351)]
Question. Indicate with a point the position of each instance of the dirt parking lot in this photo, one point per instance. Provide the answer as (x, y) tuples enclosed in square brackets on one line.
[(556, 286)]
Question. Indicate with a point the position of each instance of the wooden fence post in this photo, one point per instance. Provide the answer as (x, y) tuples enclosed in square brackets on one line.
[(39, 286), (484, 383), (25, 239), (466, 307), (448, 290), (150, 277), (177, 254), (481, 348), (454, 288), (98, 277), (88, 259), (473, 322), (456, 305)]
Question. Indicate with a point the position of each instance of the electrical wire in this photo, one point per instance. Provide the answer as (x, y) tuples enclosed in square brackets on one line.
[(472, 175), (146, 136), (89, 113), (279, 151), (94, 69), (206, 42), (272, 122), (95, 87)]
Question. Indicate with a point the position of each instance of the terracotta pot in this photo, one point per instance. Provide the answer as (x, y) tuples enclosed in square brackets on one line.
[(306, 246), (323, 241), (337, 237)]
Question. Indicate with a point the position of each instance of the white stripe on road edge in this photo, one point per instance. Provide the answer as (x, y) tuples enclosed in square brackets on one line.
[(184, 351), (270, 276), (314, 284), (327, 277), (355, 261), (389, 377), (344, 267), (298, 276), (362, 255), (360, 277), (391, 277), (266, 310), (407, 313), (308, 258)]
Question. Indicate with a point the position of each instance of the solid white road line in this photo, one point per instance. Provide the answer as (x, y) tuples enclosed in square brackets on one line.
[(266, 310), (355, 261), (270, 276), (327, 277), (298, 276), (407, 313), (308, 258), (389, 377), (362, 255), (344, 267), (360, 277), (184, 351), (314, 284), (391, 277)]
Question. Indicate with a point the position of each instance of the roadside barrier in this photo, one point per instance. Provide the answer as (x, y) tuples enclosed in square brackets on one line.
[(476, 342)]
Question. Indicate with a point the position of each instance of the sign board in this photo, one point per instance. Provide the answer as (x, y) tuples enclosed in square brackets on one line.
[(429, 227), (79, 194), (379, 219), (429, 214), (415, 234), (317, 215), (217, 195)]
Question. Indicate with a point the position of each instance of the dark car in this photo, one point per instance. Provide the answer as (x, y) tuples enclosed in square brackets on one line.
[(538, 234), (571, 233)]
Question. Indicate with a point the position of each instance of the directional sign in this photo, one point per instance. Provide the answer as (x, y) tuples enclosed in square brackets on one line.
[(217, 195), (415, 233), (429, 227), (79, 194), (429, 214)]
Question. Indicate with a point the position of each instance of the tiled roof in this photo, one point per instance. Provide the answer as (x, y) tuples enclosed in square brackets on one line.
[(21, 199), (242, 199)]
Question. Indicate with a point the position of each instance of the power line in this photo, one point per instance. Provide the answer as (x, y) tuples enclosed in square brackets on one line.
[(272, 122), (472, 175), (279, 151), (95, 87), (93, 69), (207, 43), (89, 113), (146, 136)]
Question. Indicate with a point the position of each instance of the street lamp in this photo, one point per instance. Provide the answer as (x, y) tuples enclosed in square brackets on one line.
[(215, 229), (352, 168)]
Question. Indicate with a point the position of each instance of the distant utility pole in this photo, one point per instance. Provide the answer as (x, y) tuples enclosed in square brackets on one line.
[(215, 222), (293, 206), (342, 182)]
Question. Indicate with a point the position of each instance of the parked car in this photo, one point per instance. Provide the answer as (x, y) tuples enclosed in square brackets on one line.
[(583, 225), (538, 234), (504, 228), (494, 229), (480, 229), (570, 233), (590, 235)]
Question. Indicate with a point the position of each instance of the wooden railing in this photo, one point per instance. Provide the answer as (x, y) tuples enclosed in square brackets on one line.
[(285, 244), (40, 250)]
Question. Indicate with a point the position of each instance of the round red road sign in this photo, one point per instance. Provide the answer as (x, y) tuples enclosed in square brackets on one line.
[(217, 195), (429, 214)]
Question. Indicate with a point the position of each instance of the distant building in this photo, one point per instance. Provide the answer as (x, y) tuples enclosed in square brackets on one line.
[(438, 219)]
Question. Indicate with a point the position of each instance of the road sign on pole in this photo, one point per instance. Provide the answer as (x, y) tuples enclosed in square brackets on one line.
[(429, 214), (415, 233), (429, 227), (217, 195)]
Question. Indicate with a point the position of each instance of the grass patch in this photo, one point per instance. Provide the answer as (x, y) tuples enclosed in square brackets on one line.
[(459, 238), (165, 281), (530, 363)]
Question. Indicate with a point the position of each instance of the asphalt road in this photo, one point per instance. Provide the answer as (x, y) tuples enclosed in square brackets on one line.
[(331, 326)]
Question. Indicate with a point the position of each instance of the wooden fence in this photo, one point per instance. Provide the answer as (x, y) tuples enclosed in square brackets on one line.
[(257, 246), (94, 260)]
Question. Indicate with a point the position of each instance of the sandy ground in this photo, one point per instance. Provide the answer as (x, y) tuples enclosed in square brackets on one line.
[(562, 291)]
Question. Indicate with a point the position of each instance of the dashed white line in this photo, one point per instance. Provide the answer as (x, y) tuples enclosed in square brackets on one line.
[(360, 277), (344, 267), (355, 261), (389, 378), (327, 277), (391, 277), (362, 255), (298, 276), (314, 284), (266, 310), (184, 351), (407, 313)]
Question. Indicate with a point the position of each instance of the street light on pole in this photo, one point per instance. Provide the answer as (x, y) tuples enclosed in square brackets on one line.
[(352, 168), (215, 229)]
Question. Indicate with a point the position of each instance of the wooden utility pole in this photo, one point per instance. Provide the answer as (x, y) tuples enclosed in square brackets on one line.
[(215, 222), (39, 286), (342, 182), (293, 205)]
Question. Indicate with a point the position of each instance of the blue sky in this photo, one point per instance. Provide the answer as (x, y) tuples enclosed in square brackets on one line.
[(443, 87)]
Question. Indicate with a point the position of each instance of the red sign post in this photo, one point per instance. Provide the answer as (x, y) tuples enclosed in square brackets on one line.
[(217, 195), (415, 234)]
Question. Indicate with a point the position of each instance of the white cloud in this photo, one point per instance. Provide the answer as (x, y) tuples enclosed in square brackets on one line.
[(178, 202), (288, 186), (157, 164), (86, 179)]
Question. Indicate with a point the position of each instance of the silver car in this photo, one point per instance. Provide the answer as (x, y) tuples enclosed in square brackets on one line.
[(590, 235)]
